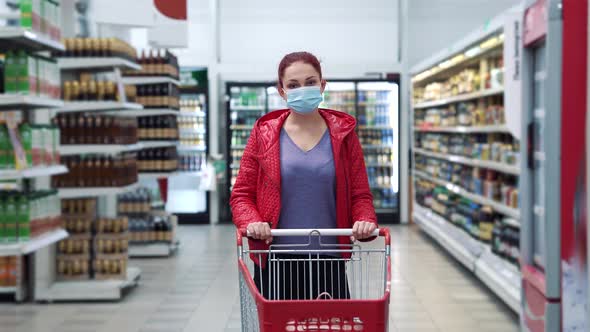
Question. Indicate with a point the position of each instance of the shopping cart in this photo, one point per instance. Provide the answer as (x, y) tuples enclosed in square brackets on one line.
[(317, 301)]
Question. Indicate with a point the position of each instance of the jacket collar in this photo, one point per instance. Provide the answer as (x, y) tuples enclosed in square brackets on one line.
[(269, 126)]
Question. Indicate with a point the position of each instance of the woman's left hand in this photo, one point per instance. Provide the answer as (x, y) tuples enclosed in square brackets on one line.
[(362, 230)]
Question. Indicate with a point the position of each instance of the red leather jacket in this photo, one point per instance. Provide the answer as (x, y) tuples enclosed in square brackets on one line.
[(256, 195)]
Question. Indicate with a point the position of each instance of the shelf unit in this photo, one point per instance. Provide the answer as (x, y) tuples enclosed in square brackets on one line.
[(181, 147), (460, 98), (27, 102), (96, 63), (97, 106), (32, 245), (466, 130), (499, 275), (32, 172), (94, 191), (497, 206), (89, 290), (140, 80), (110, 149), (480, 52), (14, 38), (189, 114), (144, 112), (497, 166), (156, 144)]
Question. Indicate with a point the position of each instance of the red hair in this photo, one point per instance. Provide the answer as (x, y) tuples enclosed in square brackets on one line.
[(291, 58)]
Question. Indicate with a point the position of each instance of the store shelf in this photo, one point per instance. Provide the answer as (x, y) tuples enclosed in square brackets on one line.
[(384, 210), (32, 245), (377, 146), (89, 290), (155, 175), (157, 144), (460, 98), (192, 114), (247, 108), (379, 164), (97, 106), (381, 186), (374, 127), (32, 172), (241, 127), (110, 149), (95, 63), (499, 207), (143, 112), (158, 205), (502, 277), (191, 148), (459, 244), (139, 80), (238, 147), (17, 38), (95, 191), (19, 102), (8, 290), (189, 131), (499, 275), (500, 167), (158, 249), (465, 130), (235, 166)]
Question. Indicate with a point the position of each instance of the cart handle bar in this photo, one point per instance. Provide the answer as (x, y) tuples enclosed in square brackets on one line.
[(311, 231)]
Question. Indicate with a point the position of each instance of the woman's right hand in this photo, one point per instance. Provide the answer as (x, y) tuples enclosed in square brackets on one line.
[(260, 231)]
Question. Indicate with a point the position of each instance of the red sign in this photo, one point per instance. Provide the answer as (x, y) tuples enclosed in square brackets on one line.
[(535, 22), (174, 9)]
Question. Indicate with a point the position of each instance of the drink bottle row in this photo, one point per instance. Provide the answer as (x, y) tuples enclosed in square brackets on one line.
[(97, 47), (83, 128), (164, 95), (376, 136), (158, 160), (97, 171), (156, 63), (380, 176), (161, 127)]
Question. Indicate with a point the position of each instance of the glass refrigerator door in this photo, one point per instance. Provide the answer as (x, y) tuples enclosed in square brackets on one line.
[(184, 196), (340, 96), (378, 115), (246, 105), (275, 100)]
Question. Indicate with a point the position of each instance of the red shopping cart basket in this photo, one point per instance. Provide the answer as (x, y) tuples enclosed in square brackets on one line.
[(316, 284)]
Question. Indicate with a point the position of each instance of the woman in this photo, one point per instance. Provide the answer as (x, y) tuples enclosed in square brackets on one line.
[(303, 167)]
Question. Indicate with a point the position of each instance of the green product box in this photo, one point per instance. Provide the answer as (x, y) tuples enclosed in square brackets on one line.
[(4, 148), (11, 225), (24, 218), (26, 13), (10, 72), (26, 135), (2, 221), (27, 73)]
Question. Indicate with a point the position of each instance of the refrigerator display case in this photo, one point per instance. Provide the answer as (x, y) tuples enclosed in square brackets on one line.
[(185, 199), (554, 215), (374, 104)]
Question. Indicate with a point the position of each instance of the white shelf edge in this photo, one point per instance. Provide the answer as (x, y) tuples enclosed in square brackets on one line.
[(32, 172), (8, 100), (8, 290), (160, 249), (241, 127), (466, 130), (97, 106), (33, 40), (191, 148), (139, 80), (143, 112), (92, 63), (184, 131), (501, 167), (155, 175), (492, 276), (508, 290), (459, 98), (94, 191), (157, 144), (499, 207), (189, 114), (98, 290), (74, 149), (34, 244)]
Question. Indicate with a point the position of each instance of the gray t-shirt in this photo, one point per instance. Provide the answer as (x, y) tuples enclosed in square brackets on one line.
[(308, 189)]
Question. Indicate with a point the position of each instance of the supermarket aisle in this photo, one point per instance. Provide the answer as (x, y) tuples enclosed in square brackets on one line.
[(198, 291)]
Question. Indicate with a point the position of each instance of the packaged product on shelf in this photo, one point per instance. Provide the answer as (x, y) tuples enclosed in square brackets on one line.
[(75, 245), (98, 47), (117, 225), (109, 268), (73, 267), (106, 245)]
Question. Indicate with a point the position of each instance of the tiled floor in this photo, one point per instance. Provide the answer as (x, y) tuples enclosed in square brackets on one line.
[(197, 290)]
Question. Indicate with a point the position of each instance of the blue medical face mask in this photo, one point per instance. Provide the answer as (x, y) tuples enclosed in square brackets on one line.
[(304, 100)]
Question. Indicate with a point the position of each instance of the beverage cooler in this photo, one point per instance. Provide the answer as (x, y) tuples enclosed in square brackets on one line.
[(185, 198), (374, 104), (553, 181)]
